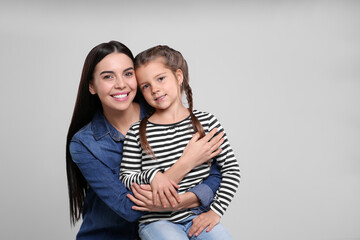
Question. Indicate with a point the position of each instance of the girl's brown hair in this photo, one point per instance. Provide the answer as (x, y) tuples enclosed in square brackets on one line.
[(174, 61)]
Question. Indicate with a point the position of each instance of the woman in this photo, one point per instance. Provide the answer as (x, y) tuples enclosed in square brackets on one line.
[(107, 104)]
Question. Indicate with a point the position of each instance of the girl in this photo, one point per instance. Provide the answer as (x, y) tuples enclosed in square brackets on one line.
[(154, 144), (107, 104)]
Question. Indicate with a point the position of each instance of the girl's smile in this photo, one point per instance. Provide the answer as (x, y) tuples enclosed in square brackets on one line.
[(159, 99)]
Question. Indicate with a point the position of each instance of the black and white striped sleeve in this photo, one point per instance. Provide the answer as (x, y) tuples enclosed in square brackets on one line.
[(230, 171), (130, 168)]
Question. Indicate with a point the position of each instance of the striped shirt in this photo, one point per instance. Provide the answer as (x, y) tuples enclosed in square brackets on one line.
[(168, 141)]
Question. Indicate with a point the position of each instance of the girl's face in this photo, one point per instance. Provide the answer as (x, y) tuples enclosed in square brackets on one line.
[(114, 82), (159, 85)]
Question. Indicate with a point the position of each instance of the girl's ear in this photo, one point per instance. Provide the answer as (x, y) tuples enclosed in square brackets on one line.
[(91, 88), (179, 76)]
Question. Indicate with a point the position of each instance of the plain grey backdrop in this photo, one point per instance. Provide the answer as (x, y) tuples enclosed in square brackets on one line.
[(283, 78)]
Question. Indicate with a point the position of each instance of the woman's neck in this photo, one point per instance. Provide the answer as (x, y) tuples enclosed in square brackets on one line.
[(122, 120)]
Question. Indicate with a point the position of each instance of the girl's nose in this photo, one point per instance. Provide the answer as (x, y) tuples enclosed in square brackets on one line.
[(154, 89)]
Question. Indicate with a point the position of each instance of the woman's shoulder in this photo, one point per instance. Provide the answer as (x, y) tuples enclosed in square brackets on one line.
[(84, 132)]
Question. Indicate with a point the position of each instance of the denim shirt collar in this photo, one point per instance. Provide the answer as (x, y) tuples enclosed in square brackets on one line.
[(101, 126)]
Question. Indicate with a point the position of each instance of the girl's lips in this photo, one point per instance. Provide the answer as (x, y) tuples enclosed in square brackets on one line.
[(158, 99), (121, 96)]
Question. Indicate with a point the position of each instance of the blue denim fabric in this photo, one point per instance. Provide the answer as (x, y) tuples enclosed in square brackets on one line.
[(107, 213), (161, 230)]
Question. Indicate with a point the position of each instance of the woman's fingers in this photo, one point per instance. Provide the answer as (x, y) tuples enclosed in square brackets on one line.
[(141, 193), (135, 200), (137, 208), (146, 187)]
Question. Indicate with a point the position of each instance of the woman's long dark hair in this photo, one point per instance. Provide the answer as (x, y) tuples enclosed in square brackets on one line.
[(174, 61), (86, 106)]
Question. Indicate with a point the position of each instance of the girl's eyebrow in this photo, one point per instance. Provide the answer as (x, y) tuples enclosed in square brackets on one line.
[(159, 74)]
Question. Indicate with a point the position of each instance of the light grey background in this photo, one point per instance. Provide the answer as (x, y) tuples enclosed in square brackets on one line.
[(283, 78)]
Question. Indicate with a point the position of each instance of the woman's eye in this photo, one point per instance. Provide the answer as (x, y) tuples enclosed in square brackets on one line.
[(129, 74), (107, 76), (161, 78)]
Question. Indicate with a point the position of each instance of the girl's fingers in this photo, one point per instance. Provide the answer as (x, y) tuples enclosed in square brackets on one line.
[(211, 226), (174, 194), (163, 199), (154, 192), (175, 185), (217, 145), (195, 137), (210, 135), (171, 199), (217, 139), (200, 229)]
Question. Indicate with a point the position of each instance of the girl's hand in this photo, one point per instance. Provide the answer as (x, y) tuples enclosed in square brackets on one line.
[(201, 150), (208, 219), (143, 199), (165, 187)]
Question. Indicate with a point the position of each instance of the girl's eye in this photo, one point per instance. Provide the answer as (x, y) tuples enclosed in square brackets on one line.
[(145, 86), (161, 78), (107, 77)]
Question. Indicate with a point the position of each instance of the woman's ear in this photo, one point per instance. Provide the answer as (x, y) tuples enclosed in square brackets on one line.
[(179, 76), (91, 89)]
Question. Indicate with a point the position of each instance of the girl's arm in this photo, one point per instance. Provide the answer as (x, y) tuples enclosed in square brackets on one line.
[(230, 172), (196, 152)]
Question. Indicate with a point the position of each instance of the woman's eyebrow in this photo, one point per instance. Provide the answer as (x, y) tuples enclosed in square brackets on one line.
[(103, 72), (127, 69)]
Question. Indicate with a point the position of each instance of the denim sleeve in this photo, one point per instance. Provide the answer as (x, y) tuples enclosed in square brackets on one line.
[(207, 189), (104, 182)]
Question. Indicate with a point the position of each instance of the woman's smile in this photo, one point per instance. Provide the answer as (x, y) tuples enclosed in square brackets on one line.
[(123, 96)]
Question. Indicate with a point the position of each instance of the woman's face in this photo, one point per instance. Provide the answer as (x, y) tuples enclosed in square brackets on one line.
[(114, 82)]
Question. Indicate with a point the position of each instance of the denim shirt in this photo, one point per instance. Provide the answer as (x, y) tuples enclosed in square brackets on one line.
[(97, 151)]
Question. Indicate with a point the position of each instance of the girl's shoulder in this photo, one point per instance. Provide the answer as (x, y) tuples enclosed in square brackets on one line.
[(203, 115)]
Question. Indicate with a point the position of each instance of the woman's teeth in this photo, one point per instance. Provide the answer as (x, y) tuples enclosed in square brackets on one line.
[(120, 96)]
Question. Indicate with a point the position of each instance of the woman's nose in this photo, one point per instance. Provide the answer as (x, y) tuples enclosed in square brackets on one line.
[(119, 83)]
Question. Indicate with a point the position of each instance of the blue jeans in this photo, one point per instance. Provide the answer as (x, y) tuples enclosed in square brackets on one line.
[(164, 230)]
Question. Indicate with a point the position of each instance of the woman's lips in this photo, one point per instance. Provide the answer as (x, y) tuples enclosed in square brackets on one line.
[(121, 96)]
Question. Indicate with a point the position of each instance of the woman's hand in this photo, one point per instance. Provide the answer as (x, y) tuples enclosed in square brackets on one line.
[(143, 198), (205, 220), (165, 187), (201, 150)]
